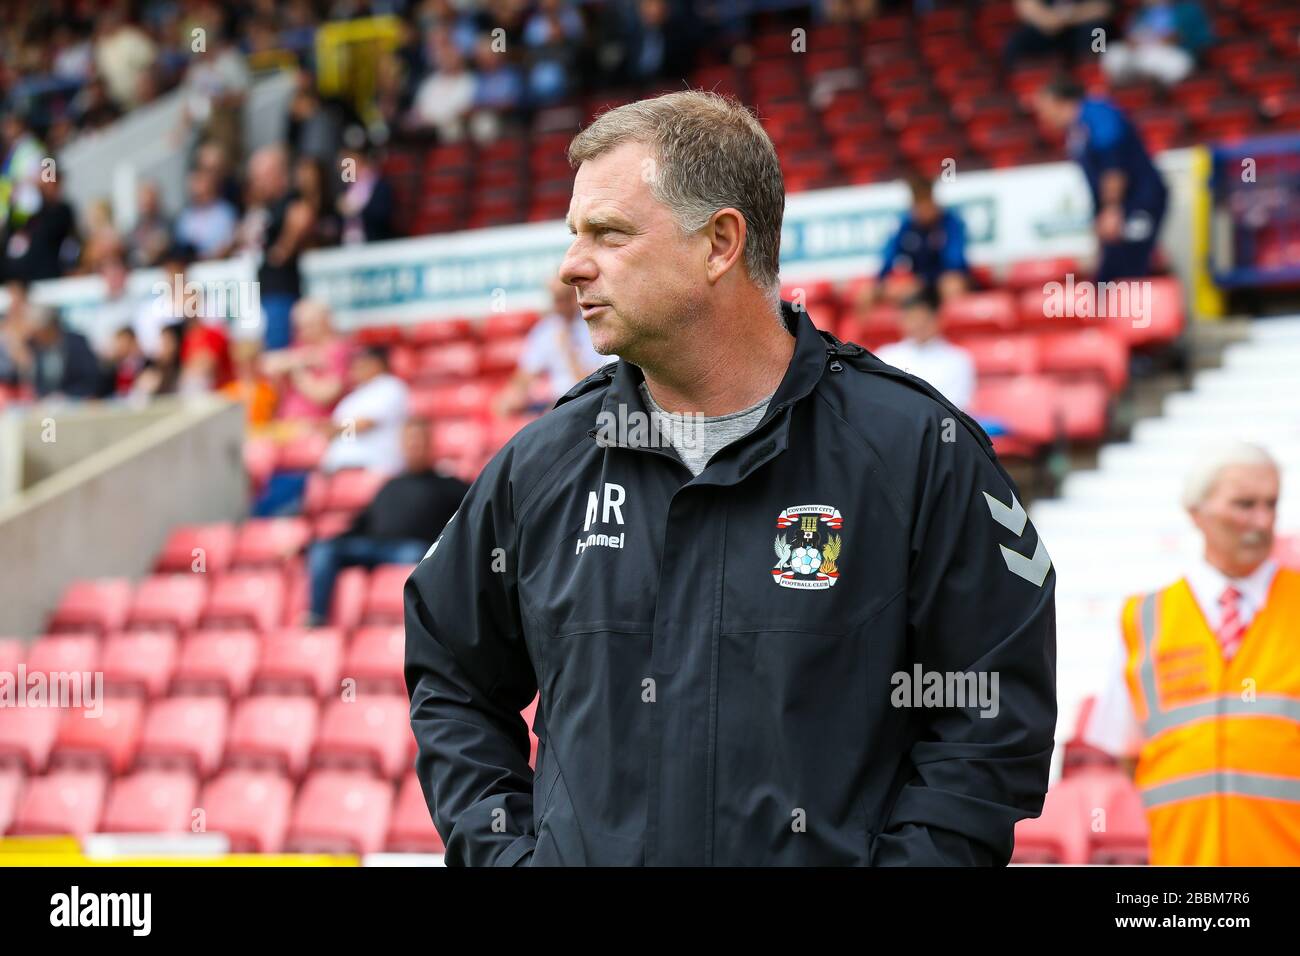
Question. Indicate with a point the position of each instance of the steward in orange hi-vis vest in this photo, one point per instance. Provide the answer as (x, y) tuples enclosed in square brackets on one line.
[(1219, 771)]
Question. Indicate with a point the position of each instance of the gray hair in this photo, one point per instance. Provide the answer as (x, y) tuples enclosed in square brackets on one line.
[(1205, 473), (711, 153)]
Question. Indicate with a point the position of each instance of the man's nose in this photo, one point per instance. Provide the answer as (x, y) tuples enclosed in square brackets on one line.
[(576, 266)]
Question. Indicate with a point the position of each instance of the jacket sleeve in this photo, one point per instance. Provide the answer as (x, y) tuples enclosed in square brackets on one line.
[(981, 600), (469, 675)]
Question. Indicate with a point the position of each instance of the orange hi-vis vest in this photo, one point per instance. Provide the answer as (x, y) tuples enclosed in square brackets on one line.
[(1219, 771)]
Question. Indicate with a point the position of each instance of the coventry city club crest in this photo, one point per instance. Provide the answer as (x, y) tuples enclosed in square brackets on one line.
[(806, 548)]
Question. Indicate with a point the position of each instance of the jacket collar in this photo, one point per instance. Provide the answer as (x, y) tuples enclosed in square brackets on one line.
[(808, 363)]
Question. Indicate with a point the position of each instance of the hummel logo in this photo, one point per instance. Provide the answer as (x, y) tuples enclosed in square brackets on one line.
[(1013, 518), (610, 506)]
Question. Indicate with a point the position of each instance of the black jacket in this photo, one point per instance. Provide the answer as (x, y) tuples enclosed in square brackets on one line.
[(702, 703)]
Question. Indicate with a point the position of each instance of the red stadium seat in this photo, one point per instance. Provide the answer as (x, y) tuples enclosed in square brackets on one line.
[(12, 653), (274, 732), (1035, 273), (340, 812), (345, 607), (1082, 410), (263, 542), (384, 600), (331, 524), (508, 324), (251, 807), (64, 654), (197, 548), (93, 605), (64, 801), (297, 661), (303, 452), (260, 455), (221, 662), (151, 801), (140, 661), (109, 740), (502, 354), (458, 437), (412, 829), (1093, 351), (185, 732), (451, 401), (1025, 406), (27, 736), (979, 312), (352, 489), (11, 788), (1042, 309), (245, 599), (1163, 323), (372, 732), (439, 332), (453, 361), (169, 600), (376, 658), (1002, 354)]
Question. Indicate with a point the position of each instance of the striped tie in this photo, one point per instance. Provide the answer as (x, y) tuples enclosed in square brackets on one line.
[(1231, 629)]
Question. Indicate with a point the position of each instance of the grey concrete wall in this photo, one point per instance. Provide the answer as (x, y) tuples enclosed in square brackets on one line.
[(54, 438), (109, 513)]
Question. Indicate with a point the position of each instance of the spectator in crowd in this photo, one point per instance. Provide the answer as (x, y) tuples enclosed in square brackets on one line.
[(161, 374), (124, 56), (93, 108), (151, 234), (397, 527), (118, 309), (660, 43), (1128, 192), (13, 330), (211, 157), (207, 222), (22, 159), (312, 374), (102, 240), (71, 57), (124, 363), (367, 204), (929, 247), (278, 224), (170, 301), (552, 36), (56, 362), (315, 127), (249, 384), (1056, 26), (45, 244), (925, 353), (1163, 41), (366, 426), (446, 96), (557, 355), (1212, 759), (314, 188), (216, 85)]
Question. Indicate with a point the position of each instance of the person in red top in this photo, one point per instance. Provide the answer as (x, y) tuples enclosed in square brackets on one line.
[(206, 364)]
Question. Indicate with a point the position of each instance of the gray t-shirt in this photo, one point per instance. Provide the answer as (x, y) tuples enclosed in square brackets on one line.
[(697, 438)]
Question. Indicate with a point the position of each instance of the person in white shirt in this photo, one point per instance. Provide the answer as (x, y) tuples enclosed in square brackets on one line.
[(557, 355), (1231, 497), (366, 425), (928, 355)]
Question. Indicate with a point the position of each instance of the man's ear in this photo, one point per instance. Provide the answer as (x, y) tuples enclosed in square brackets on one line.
[(726, 231)]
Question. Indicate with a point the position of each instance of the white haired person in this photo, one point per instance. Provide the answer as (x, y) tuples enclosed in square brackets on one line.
[(1208, 696)]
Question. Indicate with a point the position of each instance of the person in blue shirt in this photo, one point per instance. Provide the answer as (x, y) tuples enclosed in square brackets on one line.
[(929, 245), (1129, 196)]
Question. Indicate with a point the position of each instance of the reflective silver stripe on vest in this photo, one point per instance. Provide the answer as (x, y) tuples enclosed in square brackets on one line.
[(1229, 782), (1147, 672), (1228, 705)]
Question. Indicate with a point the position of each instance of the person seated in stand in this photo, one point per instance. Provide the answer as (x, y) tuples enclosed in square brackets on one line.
[(925, 353), (397, 527)]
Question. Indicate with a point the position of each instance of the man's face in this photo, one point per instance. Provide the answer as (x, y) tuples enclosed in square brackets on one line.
[(1237, 518), (918, 323), (638, 278), (415, 446)]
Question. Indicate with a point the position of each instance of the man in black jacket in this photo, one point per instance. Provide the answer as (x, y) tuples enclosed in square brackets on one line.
[(780, 601), (58, 362), (407, 513)]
